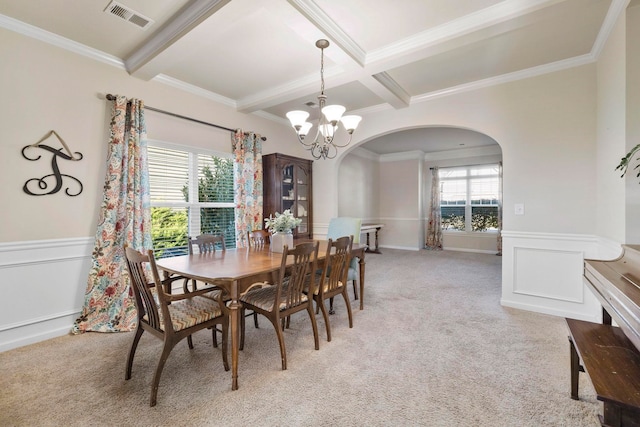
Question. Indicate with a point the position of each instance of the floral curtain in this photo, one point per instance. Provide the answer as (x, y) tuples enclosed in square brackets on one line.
[(124, 218), (434, 228), (500, 209), (247, 172)]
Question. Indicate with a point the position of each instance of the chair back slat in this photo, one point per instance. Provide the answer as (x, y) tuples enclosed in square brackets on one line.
[(207, 243), (148, 296), (304, 263), (336, 267), (257, 239)]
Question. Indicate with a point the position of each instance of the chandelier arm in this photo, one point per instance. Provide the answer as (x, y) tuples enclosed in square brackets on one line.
[(316, 151), (342, 146)]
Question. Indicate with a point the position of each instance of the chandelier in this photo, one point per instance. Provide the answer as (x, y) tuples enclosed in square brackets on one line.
[(323, 145)]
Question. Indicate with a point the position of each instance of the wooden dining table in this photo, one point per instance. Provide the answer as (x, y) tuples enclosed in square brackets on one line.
[(235, 270)]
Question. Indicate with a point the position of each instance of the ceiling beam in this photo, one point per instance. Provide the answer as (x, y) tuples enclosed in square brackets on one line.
[(141, 62)]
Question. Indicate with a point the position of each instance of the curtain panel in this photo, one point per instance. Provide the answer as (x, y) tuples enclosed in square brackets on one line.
[(247, 168), (434, 227), (124, 219)]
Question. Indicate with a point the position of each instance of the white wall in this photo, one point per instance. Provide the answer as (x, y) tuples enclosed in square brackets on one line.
[(632, 123), (52, 88), (358, 183), (400, 203), (46, 241), (611, 148)]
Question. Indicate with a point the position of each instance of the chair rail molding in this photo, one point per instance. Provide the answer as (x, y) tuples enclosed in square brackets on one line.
[(43, 287)]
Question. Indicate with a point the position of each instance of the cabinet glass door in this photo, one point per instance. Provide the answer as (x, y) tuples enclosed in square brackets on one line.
[(288, 189), (301, 198)]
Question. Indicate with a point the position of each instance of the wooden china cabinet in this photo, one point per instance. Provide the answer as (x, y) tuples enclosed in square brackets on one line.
[(287, 185)]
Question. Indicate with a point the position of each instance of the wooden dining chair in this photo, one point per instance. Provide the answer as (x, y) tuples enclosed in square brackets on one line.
[(170, 318), (205, 243), (257, 239), (332, 281), (286, 296)]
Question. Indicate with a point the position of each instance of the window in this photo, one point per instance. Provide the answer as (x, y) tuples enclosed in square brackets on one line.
[(191, 194), (469, 198)]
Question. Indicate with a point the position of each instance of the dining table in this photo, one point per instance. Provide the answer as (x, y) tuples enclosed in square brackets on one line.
[(235, 271)]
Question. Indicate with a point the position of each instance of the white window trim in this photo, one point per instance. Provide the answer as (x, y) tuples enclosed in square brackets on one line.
[(193, 207), (468, 206)]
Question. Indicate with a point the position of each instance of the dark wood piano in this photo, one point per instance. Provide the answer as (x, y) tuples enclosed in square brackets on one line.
[(610, 355)]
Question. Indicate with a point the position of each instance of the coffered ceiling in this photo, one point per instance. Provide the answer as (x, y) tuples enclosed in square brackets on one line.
[(259, 56)]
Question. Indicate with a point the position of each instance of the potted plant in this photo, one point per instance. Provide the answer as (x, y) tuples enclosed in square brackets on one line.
[(626, 161), (281, 228)]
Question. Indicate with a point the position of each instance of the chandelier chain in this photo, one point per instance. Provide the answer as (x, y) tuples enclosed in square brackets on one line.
[(322, 71)]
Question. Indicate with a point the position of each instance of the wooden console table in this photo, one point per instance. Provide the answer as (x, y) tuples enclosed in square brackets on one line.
[(369, 228)]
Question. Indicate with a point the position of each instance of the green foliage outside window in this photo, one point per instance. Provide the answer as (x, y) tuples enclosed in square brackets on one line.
[(169, 226), (169, 231), (481, 221)]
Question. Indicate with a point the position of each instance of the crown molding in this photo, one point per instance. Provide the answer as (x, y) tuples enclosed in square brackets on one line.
[(463, 153), (506, 78), (405, 155), (196, 90), (365, 154), (617, 7), (59, 41)]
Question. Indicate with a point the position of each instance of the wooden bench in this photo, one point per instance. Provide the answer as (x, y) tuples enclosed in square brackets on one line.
[(613, 365)]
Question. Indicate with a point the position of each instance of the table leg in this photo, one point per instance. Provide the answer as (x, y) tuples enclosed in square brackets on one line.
[(361, 264), (234, 308), (575, 369)]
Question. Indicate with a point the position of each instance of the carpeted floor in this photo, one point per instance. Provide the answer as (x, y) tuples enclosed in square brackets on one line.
[(433, 347)]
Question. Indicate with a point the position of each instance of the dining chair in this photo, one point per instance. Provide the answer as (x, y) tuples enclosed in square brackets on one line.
[(206, 243), (347, 226), (332, 281), (286, 296), (168, 317), (258, 238)]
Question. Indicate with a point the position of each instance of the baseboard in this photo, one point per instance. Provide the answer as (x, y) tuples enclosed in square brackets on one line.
[(403, 248), (550, 311), (36, 330), (477, 251)]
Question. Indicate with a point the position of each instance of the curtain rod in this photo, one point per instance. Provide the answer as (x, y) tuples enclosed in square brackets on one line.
[(157, 110), (466, 166)]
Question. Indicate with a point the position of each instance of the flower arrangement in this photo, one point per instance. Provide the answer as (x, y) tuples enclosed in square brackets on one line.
[(282, 223)]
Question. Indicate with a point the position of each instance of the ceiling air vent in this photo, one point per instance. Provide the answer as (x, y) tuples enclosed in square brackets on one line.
[(123, 12)]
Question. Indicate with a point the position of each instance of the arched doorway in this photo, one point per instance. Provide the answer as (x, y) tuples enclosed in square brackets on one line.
[(387, 179)]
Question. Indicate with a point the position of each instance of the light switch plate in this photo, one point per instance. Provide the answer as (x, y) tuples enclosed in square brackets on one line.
[(519, 208)]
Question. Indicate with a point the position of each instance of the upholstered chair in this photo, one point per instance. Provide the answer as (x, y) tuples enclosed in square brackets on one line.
[(347, 226), (170, 318)]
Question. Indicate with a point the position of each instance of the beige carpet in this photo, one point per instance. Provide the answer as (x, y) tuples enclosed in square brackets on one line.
[(433, 347)]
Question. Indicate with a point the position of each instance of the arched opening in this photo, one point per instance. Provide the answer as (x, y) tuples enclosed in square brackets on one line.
[(387, 179)]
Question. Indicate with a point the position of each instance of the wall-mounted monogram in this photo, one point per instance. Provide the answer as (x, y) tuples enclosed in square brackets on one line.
[(53, 182)]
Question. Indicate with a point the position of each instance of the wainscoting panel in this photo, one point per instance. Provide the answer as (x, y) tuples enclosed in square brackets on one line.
[(530, 279), (43, 288), (542, 272)]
